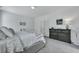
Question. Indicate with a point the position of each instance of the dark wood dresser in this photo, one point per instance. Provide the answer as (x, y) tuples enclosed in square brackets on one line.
[(60, 34)]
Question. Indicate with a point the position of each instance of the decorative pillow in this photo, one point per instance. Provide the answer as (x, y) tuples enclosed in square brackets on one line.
[(12, 31), (6, 31), (2, 35)]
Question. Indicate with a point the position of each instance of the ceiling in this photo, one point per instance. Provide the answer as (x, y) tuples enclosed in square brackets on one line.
[(38, 11), (28, 11)]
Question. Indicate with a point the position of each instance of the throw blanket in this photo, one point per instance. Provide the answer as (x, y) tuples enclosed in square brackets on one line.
[(11, 44)]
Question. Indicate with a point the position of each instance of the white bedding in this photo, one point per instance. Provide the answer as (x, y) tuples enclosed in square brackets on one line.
[(19, 41), (30, 38), (2, 46), (10, 45)]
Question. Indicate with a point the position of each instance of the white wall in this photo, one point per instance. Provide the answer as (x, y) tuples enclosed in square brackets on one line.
[(0, 17), (68, 14), (12, 20), (42, 25)]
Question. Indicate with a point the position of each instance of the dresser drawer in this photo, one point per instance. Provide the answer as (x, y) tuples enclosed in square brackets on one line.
[(60, 34)]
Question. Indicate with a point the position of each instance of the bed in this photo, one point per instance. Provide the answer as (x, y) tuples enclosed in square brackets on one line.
[(20, 42), (36, 41)]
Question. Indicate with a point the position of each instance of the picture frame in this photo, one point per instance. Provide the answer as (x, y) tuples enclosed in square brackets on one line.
[(59, 21), (22, 23)]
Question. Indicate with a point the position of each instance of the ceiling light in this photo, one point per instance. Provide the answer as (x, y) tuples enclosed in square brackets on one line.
[(33, 7)]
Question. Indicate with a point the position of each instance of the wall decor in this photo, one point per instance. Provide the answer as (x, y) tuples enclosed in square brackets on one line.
[(59, 21), (22, 23)]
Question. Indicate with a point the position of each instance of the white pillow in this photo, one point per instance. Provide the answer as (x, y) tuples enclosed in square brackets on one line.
[(6, 31), (12, 31), (2, 35)]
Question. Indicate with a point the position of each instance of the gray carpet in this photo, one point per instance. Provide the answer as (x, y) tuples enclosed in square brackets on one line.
[(55, 46)]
